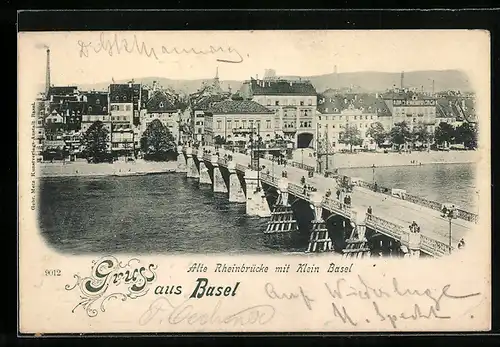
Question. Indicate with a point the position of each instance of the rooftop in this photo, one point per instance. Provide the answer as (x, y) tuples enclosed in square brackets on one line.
[(238, 107), (282, 87)]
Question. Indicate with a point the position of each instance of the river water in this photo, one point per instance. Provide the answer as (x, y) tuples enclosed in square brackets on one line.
[(167, 213)]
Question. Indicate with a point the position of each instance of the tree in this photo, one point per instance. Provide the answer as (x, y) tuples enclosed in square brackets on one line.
[(377, 133), (444, 133), (95, 142), (466, 134), (219, 140), (420, 134), (157, 142), (400, 134), (351, 136)]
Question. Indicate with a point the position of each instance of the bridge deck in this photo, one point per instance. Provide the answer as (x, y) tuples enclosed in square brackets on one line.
[(392, 209)]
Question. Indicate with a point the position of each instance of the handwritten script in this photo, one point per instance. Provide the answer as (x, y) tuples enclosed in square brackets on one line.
[(378, 297), (116, 45), (164, 310)]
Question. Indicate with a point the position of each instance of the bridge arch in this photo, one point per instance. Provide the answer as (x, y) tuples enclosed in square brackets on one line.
[(305, 140)]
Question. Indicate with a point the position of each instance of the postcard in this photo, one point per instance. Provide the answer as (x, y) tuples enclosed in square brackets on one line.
[(254, 181)]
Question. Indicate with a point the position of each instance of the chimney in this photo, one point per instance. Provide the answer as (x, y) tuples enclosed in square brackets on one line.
[(47, 76), (154, 86)]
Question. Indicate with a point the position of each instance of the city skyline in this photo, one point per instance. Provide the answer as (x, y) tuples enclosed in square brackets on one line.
[(100, 57)]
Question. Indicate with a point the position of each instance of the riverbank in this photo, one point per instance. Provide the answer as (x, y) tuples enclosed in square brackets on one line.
[(364, 160), (82, 168)]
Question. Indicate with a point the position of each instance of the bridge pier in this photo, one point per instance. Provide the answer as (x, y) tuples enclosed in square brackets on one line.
[(236, 193), (192, 170), (319, 240), (412, 243), (219, 186), (204, 174), (256, 203), (181, 160), (357, 244), (282, 218)]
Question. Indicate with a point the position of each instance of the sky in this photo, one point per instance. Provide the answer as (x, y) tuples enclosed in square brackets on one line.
[(92, 57)]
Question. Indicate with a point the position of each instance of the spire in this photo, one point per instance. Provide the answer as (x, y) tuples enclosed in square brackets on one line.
[(217, 72), (47, 73), (402, 79)]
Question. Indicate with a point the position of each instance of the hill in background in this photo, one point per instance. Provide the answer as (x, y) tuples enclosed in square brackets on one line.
[(367, 81)]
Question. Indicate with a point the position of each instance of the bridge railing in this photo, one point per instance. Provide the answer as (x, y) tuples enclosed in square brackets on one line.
[(207, 157), (386, 227), (468, 216), (424, 202), (337, 207), (222, 161), (434, 205), (433, 247), (298, 191), (269, 179), (302, 166)]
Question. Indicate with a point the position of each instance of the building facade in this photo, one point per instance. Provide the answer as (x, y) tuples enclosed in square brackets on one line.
[(124, 103), (162, 106), (237, 121), (294, 104), (412, 108)]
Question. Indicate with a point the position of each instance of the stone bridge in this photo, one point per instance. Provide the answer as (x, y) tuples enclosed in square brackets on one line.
[(320, 209)]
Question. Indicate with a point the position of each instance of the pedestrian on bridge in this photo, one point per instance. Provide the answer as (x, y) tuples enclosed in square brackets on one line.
[(338, 194), (328, 193), (303, 180), (370, 210)]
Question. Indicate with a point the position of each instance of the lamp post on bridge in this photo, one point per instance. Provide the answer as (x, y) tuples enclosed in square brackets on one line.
[(373, 173), (450, 213)]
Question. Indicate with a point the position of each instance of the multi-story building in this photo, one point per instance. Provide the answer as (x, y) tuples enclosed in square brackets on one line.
[(412, 108), (209, 93), (67, 102), (96, 109), (199, 106), (162, 106), (236, 120), (124, 105), (294, 104), (336, 112)]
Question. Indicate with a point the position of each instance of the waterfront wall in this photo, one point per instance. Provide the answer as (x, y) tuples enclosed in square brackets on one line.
[(60, 169), (361, 160)]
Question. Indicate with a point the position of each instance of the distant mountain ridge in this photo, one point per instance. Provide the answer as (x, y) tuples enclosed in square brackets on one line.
[(365, 81)]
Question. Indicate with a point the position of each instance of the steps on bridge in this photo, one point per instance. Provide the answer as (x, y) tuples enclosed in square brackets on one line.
[(282, 220), (356, 249), (320, 240)]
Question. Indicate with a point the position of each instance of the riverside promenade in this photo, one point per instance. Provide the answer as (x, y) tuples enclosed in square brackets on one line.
[(118, 168), (392, 214)]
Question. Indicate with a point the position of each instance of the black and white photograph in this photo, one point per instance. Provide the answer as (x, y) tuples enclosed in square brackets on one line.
[(264, 156), (178, 181)]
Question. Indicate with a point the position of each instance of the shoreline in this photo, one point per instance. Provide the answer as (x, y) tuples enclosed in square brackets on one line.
[(117, 169), (367, 160)]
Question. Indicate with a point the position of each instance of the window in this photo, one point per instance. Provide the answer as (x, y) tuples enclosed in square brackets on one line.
[(333, 126), (277, 103), (371, 117), (104, 109), (268, 124), (117, 98), (161, 105), (124, 98), (301, 124), (128, 108), (268, 102), (302, 103), (310, 102), (355, 117), (98, 102)]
